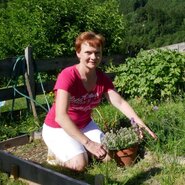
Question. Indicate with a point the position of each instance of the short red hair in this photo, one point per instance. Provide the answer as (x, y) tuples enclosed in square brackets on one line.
[(91, 38)]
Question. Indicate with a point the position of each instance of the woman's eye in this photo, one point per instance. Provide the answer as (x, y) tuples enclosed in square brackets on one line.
[(88, 52)]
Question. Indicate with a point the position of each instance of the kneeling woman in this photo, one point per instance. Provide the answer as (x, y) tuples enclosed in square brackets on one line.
[(69, 131)]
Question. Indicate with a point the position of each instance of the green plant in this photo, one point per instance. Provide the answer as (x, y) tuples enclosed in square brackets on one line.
[(121, 138), (156, 74), (107, 116), (51, 26)]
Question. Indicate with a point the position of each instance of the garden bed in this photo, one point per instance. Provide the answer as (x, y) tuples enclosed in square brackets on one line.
[(27, 163), (151, 165), (35, 151)]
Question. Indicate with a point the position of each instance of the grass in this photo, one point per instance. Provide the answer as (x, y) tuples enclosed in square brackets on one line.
[(22, 121), (164, 162)]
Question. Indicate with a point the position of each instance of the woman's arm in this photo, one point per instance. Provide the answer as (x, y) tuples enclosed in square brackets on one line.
[(63, 119), (117, 101)]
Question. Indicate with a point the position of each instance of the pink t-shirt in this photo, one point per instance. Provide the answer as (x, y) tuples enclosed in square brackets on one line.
[(81, 101)]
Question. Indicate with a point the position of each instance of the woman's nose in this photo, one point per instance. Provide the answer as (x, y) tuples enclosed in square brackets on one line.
[(93, 55)]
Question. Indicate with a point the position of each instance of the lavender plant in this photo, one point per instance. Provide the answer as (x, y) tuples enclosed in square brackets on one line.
[(122, 138)]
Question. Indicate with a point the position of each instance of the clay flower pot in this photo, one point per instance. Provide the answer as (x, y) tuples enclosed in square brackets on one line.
[(122, 145), (125, 157)]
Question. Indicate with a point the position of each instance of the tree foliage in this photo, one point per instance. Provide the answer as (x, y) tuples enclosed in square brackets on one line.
[(153, 23), (50, 26)]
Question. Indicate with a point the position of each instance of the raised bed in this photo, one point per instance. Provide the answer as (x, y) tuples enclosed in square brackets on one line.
[(28, 169)]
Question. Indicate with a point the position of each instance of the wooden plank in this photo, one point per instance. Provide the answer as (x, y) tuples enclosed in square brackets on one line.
[(41, 66), (54, 64), (31, 98), (44, 65), (34, 172), (30, 70), (30, 81), (8, 93), (115, 59), (60, 63), (6, 66), (48, 87), (16, 141)]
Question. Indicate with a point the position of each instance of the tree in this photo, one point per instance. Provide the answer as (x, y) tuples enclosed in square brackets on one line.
[(50, 26)]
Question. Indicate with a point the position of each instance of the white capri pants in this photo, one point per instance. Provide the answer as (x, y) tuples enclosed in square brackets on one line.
[(63, 146)]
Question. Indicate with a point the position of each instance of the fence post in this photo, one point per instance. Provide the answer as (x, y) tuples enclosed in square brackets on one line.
[(30, 82)]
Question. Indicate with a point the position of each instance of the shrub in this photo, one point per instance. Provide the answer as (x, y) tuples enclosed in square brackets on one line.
[(155, 74), (51, 26)]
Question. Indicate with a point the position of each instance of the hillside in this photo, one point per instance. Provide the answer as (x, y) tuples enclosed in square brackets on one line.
[(153, 23)]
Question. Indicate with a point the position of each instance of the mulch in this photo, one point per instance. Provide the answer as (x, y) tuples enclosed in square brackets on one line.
[(35, 151)]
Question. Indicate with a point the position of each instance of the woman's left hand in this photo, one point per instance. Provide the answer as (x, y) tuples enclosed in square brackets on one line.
[(150, 132), (145, 128)]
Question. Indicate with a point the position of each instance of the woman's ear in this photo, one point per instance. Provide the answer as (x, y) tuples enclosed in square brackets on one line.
[(78, 54)]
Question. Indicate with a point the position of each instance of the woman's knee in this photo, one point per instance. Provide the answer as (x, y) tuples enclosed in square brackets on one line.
[(80, 167), (78, 163)]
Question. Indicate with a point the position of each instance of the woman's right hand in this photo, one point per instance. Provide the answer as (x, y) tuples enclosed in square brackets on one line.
[(96, 149)]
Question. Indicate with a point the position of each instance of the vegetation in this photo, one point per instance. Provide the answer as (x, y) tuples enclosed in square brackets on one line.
[(152, 23), (153, 75), (121, 138), (19, 120), (164, 115), (51, 27), (161, 165)]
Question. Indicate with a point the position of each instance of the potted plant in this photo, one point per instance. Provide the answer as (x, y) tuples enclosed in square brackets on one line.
[(122, 144)]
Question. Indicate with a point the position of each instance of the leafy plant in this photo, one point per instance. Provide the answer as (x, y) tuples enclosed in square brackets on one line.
[(107, 116), (155, 74), (153, 23)]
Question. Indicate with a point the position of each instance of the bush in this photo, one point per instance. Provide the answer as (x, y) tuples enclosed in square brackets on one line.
[(155, 74), (51, 26)]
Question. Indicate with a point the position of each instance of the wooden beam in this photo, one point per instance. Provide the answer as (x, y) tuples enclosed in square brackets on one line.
[(6, 66), (16, 141), (8, 93), (34, 172), (30, 82)]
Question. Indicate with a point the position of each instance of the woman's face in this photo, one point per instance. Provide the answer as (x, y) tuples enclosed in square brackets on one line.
[(90, 56)]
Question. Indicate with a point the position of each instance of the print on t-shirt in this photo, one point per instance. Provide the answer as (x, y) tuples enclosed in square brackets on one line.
[(85, 102)]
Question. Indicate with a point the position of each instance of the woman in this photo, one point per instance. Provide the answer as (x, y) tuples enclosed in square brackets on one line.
[(68, 131)]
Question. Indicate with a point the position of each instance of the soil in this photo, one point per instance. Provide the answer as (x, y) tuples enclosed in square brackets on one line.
[(35, 151)]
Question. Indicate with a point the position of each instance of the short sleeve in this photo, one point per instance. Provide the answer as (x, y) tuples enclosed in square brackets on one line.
[(104, 81), (108, 83), (65, 80)]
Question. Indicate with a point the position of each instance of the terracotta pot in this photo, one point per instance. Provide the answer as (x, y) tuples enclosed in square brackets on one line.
[(125, 157)]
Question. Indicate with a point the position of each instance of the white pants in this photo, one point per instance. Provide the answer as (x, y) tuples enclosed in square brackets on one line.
[(63, 146)]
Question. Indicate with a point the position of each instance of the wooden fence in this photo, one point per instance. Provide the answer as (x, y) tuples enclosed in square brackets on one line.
[(12, 68)]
